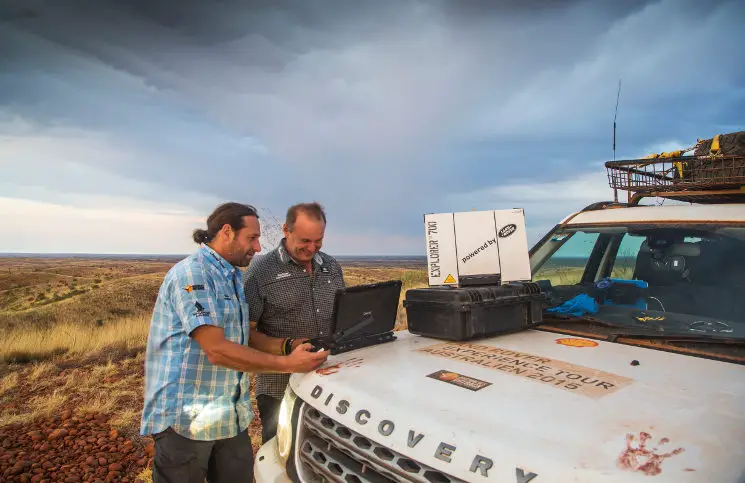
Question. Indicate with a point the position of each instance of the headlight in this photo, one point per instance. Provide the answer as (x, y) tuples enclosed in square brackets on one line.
[(284, 425)]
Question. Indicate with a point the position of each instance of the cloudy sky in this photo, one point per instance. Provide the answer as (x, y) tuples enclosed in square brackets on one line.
[(124, 123)]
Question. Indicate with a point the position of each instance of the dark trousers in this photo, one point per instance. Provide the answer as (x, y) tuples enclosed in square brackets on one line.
[(179, 459), (269, 413)]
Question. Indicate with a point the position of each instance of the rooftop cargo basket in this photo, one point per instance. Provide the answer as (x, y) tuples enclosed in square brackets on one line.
[(715, 173)]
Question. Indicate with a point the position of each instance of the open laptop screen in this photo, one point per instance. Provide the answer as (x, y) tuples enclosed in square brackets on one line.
[(356, 303)]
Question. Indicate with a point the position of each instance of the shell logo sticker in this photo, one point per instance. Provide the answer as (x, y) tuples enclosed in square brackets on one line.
[(448, 376), (571, 342)]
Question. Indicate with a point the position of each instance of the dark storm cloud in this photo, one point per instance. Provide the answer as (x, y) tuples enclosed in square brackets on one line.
[(404, 103)]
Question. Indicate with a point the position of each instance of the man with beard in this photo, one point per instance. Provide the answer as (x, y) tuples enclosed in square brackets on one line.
[(197, 405), (291, 292)]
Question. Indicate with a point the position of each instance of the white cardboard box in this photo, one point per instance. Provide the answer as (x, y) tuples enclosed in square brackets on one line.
[(477, 243)]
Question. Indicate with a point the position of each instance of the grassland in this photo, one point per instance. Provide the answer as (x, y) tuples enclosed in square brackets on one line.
[(74, 333)]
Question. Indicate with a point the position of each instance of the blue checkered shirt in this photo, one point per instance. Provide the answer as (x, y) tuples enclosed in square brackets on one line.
[(183, 389)]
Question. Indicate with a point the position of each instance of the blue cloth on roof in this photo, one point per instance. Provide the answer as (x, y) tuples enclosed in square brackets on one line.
[(580, 305)]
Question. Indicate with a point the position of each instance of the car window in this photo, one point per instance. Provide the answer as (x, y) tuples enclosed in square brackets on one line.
[(690, 273), (625, 261), (567, 264)]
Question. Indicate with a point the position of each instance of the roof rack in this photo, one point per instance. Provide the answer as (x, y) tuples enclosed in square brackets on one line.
[(696, 179)]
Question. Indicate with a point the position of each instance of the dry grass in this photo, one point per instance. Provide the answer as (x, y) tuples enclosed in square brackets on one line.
[(84, 349), (99, 385), (124, 297), (70, 338), (30, 283)]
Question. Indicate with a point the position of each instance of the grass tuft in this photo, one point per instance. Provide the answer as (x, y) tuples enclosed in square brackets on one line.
[(68, 338)]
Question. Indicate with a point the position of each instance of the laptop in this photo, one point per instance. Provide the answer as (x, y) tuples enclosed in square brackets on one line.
[(363, 315)]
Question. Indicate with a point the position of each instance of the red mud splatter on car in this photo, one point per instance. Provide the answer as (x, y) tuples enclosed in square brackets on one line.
[(643, 459), (353, 362)]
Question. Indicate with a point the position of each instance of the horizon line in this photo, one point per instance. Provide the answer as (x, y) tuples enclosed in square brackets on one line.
[(142, 254)]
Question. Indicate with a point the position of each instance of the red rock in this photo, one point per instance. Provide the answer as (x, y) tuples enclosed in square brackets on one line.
[(115, 467), (113, 434), (102, 461), (36, 435), (150, 449), (57, 433), (66, 414)]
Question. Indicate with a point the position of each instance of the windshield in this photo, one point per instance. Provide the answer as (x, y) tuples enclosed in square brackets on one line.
[(681, 279)]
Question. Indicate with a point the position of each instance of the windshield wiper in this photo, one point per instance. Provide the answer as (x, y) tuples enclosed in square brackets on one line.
[(646, 332), (678, 337), (560, 318)]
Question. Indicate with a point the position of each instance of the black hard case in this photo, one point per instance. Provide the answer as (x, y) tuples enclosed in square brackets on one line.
[(463, 313)]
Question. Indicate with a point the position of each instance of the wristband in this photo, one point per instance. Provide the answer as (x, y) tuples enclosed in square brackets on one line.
[(287, 346), (282, 347)]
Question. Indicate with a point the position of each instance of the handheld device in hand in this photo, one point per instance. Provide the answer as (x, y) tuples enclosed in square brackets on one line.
[(320, 343)]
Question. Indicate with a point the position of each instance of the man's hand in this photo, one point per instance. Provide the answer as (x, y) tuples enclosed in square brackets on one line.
[(297, 342), (302, 360)]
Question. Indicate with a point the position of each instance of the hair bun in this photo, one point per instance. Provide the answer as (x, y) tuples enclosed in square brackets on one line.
[(201, 236)]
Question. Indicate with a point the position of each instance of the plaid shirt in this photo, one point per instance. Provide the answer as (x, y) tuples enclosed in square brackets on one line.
[(285, 301), (183, 389)]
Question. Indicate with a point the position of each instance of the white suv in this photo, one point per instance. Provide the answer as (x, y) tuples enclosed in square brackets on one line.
[(648, 385)]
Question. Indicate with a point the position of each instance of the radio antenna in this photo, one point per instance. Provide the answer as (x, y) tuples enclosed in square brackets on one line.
[(618, 96)]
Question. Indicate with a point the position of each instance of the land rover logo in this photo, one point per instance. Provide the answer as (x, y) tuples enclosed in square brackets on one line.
[(479, 464), (507, 230)]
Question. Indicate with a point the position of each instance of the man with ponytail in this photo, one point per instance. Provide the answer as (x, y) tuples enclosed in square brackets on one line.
[(199, 349)]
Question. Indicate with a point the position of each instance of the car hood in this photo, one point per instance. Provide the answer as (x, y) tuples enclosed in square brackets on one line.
[(536, 406)]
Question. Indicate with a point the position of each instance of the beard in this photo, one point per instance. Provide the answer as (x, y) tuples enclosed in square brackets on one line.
[(239, 258)]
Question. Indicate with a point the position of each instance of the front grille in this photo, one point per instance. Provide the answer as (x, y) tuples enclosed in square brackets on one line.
[(331, 452)]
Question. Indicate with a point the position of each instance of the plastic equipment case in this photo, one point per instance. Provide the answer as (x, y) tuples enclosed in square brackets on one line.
[(465, 313)]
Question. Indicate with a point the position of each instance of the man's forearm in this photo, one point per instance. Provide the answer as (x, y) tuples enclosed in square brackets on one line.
[(265, 343), (246, 359), (273, 345)]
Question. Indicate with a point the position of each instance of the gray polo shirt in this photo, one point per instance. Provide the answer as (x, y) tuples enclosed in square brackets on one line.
[(286, 301)]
